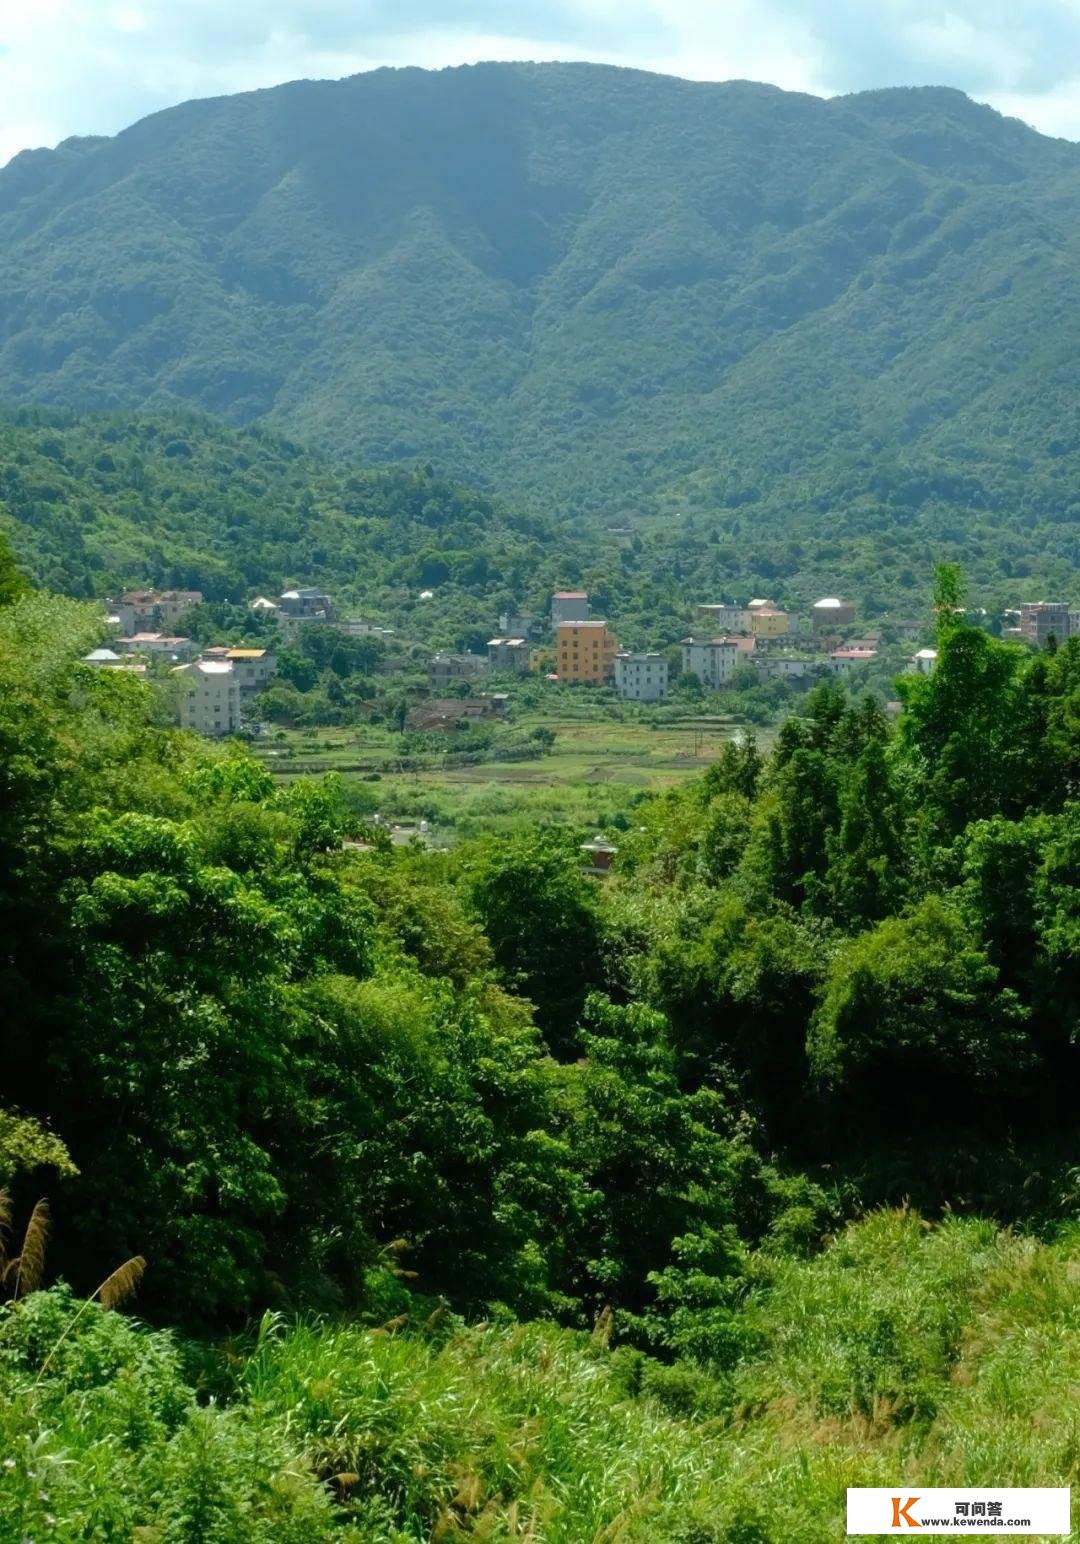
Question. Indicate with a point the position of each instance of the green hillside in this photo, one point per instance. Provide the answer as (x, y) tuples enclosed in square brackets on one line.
[(95, 503), (591, 287)]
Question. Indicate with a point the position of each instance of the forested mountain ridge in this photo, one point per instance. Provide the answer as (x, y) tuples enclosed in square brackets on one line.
[(590, 286), (97, 503)]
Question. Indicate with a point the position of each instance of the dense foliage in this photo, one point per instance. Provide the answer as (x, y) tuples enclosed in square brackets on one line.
[(815, 333), (412, 1086)]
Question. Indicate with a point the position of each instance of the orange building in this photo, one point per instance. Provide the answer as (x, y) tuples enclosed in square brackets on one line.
[(585, 652)]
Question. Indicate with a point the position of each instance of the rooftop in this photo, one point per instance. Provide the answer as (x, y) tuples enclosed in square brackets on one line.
[(571, 595), (246, 654)]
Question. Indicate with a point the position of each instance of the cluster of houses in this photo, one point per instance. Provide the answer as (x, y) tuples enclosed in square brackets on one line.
[(760, 635), (1037, 622), (217, 682), (214, 682)]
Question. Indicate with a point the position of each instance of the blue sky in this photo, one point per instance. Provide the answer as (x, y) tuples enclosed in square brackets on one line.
[(93, 66)]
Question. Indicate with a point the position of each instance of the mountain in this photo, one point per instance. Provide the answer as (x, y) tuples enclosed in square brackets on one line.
[(590, 288)]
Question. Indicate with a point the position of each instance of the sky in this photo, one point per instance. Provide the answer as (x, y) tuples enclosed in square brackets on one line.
[(94, 66)]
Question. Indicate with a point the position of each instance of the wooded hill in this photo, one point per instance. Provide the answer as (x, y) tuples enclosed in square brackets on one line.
[(591, 287)]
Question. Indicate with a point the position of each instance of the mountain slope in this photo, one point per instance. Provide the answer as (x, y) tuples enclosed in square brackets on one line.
[(578, 283), (96, 505)]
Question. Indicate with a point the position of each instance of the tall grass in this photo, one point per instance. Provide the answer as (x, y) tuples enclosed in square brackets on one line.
[(903, 1354)]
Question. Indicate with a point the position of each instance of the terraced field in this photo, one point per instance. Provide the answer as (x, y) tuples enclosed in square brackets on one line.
[(597, 769)]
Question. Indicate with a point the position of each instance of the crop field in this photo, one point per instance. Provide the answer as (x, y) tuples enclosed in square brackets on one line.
[(601, 762)]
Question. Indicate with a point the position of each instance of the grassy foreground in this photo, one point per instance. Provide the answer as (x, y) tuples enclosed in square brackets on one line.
[(904, 1353)]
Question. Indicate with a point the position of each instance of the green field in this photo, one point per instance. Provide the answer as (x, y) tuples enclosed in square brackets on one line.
[(603, 759)]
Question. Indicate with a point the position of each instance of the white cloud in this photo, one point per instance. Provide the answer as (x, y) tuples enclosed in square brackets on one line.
[(86, 66)]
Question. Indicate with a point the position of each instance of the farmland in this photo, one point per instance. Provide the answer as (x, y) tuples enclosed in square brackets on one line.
[(602, 760)]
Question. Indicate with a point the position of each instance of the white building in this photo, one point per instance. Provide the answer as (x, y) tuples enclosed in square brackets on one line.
[(210, 696), (843, 661), (641, 677), (728, 618), (157, 645), (922, 662), (252, 667), (713, 660), (771, 664)]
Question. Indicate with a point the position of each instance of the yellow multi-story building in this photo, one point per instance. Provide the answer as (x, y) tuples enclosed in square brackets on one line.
[(768, 622), (585, 652)]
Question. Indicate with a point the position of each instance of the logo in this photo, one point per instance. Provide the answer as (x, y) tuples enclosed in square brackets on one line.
[(898, 1510), (904, 1512)]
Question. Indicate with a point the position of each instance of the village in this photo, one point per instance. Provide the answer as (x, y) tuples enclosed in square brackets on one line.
[(215, 686)]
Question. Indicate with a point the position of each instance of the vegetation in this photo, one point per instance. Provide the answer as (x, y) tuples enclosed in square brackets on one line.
[(901, 1354), (567, 1207), (465, 1195), (799, 331)]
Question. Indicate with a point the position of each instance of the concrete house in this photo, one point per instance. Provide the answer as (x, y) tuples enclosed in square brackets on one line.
[(585, 652), (728, 618), (252, 667), (768, 621), (444, 669), (174, 604), (158, 646), (210, 700), (519, 624), (921, 662), (569, 606), (509, 654), (151, 610), (641, 677), (843, 661), (773, 664), (1038, 619), (714, 660), (830, 613), (308, 604)]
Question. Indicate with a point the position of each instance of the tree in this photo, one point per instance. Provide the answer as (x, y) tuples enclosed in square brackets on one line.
[(866, 852), (913, 1022), (540, 916)]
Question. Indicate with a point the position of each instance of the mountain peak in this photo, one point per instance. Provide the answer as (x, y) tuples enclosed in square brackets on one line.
[(575, 282)]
